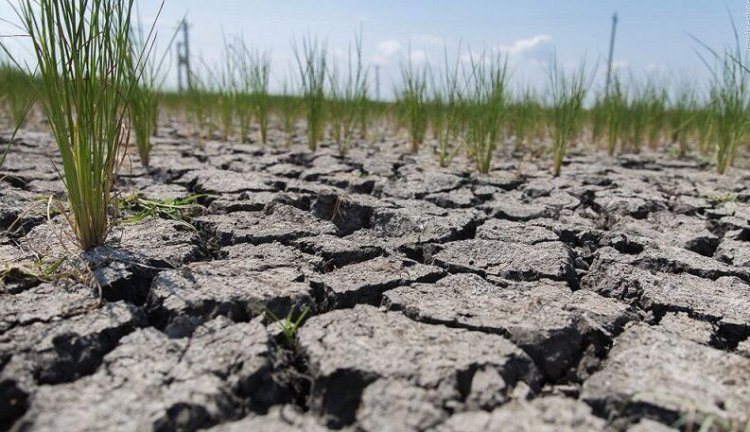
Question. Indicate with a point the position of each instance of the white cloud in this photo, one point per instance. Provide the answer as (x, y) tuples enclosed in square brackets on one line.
[(525, 46), (386, 51), (389, 48)]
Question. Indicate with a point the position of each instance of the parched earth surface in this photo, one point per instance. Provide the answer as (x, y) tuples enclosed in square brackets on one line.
[(614, 297)]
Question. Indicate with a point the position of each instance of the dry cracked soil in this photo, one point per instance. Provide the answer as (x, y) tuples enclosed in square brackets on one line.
[(614, 297)]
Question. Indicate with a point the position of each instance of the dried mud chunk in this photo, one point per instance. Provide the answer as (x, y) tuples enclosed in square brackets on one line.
[(243, 202), (174, 244), (460, 198), (364, 282), (151, 382), (407, 408), (734, 252), (681, 324), (647, 425), (510, 207), (678, 260), (348, 212), (271, 255), (546, 319), (514, 232), (337, 251), (637, 205), (515, 261), (214, 181), (66, 347), (19, 210), (349, 350), (655, 374), (725, 300), (182, 299), (666, 228), (547, 414), (45, 303), (279, 222), (285, 418), (417, 184)]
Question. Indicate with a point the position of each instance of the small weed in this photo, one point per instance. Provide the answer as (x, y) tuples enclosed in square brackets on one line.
[(40, 270), (722, 198), (181, 210), (289, 325)]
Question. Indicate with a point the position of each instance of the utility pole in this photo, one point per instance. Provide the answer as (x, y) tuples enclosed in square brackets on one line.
[(611, 52), (377, 82), (184, 73)]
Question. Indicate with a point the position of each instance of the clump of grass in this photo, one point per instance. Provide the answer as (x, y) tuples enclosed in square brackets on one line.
[(411, 102), (729, 100), (16, 92), (681, 115), (525, 116), (597, 117), (568, 91), (144, 113), (655, 107), (83, 52), (224, 82), (615, 105), (289, 111), (252, 98), (486, 83), (636, 118), (348, 97), (148, 72), (704, 127), (448, 102), (312, 62), (200, 105), (730, 105)]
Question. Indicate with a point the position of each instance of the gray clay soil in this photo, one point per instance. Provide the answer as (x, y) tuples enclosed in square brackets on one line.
[(615, 297)]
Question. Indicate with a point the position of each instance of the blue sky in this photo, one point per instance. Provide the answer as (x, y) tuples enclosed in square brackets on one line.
[(652, 36)]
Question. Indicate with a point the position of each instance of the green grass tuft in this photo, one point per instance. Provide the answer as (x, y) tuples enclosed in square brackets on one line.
[(568, 91), (83, 52)]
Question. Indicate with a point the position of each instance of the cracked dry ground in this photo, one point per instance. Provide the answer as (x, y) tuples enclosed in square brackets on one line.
[(615, 297)]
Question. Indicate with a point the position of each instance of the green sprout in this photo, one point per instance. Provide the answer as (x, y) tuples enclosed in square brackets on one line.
[(289, 325)]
